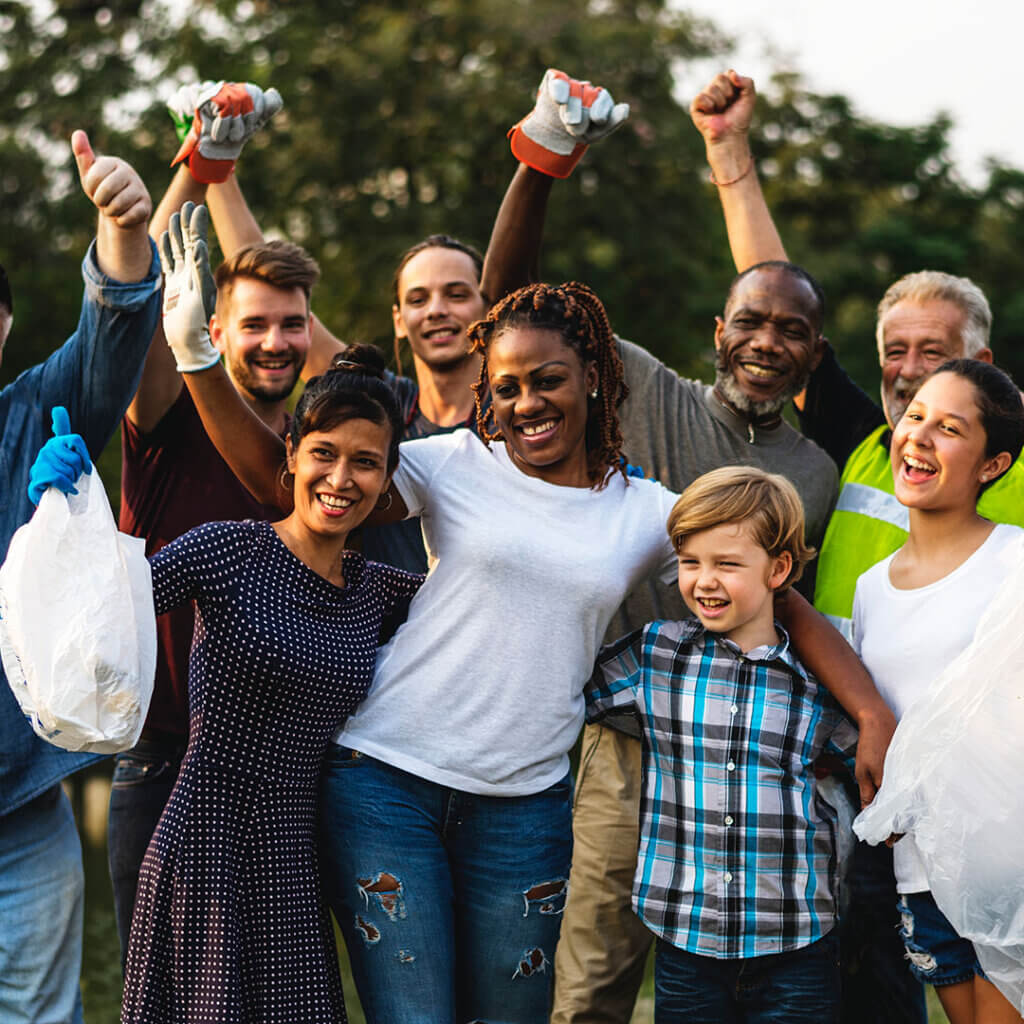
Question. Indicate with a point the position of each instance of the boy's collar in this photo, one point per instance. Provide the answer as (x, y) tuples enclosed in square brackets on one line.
[(781, 651)]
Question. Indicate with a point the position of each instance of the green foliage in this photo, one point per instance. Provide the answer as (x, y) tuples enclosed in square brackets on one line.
[(861, 203), (394, 127)]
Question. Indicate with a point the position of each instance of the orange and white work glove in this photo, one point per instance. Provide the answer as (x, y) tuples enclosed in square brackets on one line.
[(214, 120), (568, 116)]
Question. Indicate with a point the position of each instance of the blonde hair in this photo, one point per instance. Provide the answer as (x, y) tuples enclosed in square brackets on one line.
[(765, 502)]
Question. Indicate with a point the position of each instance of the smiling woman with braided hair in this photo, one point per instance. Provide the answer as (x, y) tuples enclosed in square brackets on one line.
[(446, 803)]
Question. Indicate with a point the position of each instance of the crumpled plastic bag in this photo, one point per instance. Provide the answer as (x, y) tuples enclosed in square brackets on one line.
[(77, 625), (954, 778)]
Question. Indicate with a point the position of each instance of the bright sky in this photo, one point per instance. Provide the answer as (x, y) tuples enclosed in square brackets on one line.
[(900, 61)]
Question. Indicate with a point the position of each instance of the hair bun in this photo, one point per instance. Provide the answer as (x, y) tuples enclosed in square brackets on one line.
[(367, 360)]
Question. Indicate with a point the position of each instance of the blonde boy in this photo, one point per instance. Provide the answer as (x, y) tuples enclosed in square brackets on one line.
[(735, 870)]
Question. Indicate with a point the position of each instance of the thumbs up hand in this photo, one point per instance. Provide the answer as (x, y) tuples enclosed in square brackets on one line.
[(61, 461), (112, 184)]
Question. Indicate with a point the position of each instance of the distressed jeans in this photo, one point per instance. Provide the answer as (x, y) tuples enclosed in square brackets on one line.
[(450, 903)]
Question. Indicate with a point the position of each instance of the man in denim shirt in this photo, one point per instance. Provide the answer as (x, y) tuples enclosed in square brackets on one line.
[(94, 375)]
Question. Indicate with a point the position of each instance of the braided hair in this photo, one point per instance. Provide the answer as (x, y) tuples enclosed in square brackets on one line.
[(352, 389), (576, 313)]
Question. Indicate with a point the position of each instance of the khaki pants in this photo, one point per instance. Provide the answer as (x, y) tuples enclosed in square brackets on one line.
[(600, 959)]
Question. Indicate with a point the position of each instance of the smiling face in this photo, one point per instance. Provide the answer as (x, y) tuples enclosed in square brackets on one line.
[(539, 393), (264, 334), (768, 343), (729, 581), (938, 448), (917, 338), (438, 298), (339, 475)]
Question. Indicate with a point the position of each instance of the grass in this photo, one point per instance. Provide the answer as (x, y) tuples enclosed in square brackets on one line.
[(101, 966)]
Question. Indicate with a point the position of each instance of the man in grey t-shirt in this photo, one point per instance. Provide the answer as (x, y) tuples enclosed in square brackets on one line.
[(767, 342)]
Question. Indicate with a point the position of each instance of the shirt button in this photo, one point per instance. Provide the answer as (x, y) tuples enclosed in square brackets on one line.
[(734, 708), (731, 766), (728, 876), (728, 819)]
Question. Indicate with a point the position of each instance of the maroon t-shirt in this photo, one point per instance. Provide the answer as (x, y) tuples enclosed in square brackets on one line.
[(173, 479)]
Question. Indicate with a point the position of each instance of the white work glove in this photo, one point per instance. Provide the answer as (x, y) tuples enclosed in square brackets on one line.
[(568, 116), (189, 292), (214, 120)]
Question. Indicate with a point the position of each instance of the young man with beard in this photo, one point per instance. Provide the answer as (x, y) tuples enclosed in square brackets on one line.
[(768, 340)]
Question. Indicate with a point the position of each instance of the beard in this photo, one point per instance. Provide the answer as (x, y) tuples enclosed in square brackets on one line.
[(245, 380), (729, 388)]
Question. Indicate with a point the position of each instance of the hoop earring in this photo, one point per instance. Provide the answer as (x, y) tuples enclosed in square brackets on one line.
[(390, 501), (283, 479)]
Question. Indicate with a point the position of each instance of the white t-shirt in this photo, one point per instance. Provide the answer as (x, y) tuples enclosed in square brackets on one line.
[(481, 689), (907, 637)]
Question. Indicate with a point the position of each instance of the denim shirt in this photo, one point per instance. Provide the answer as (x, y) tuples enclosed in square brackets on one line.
[(94, 374)]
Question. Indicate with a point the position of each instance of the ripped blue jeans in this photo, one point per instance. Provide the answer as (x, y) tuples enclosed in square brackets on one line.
[(937, 954), (450, 903)]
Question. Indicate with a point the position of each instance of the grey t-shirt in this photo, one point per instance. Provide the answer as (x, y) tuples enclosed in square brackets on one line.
[(676, 430)]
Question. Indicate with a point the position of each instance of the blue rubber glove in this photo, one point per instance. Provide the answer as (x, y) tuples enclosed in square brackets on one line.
[(60, 461)]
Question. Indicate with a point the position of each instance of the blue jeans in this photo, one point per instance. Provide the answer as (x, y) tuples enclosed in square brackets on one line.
[(450, 903), (143, 779), (41, 891), (800, 985), (936, 953)]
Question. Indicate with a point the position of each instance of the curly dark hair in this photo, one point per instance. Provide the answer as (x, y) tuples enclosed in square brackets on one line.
[(576, 313)]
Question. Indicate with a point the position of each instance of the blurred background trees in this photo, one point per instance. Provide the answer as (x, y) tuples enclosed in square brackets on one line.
[(394, 127)]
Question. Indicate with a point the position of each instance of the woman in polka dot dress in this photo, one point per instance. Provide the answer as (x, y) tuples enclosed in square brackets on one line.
[(228, 924)]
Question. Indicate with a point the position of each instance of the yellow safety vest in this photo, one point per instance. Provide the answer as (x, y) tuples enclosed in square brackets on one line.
[(869, 524)]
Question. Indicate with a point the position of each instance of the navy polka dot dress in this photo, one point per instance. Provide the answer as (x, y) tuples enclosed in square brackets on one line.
[(228, 924)]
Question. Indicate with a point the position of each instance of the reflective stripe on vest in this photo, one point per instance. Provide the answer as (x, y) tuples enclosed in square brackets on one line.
[(869, 501), (869, 524)]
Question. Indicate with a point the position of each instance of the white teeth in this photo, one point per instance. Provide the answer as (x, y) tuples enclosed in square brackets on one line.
[(333, 502), (918, 464), (538, 428)]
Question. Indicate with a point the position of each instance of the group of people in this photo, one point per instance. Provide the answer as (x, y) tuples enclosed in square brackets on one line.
[(376, 657)]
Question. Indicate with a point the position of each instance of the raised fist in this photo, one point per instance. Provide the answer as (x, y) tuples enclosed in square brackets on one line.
[(569, 114), (215, 120)]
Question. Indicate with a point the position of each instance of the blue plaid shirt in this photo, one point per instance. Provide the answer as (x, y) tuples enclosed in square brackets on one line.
[(737, 852)]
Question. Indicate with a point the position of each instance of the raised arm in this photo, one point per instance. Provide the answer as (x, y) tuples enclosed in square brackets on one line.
[(122, 246), (161, 383), (721, 112), (214, 121), (829, 657), (569, 115), (254, 452)]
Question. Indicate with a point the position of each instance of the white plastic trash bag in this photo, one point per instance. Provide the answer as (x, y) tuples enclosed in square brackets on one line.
[(77, 627), (954, 777)]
